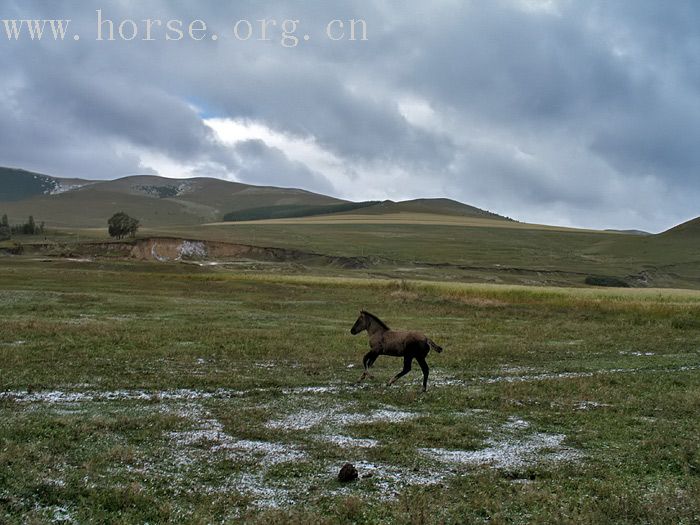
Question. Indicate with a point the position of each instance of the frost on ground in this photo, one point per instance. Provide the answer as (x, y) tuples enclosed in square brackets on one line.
[(180, 394), (60, 396), (51, 514), (387, 479), (511, 446), (573, 375), (207, 457), (509, 449), (192, 450), (211, 432), (348, 441), (336, 416), (589, 405)]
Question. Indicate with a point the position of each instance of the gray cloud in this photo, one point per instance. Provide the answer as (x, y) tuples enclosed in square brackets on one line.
[(582, 113), (261, 164)]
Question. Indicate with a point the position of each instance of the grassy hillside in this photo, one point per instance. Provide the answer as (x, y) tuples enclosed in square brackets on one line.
[(689, 228), (294, 210), (155, 201), (18, 184), (460, 244), (92, 208), (220, 196), (467, 249), (429, 206), (160, 201), (479, 250), (347, 212)]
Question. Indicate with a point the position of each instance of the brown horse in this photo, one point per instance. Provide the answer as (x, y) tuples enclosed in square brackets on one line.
[(385, 341)]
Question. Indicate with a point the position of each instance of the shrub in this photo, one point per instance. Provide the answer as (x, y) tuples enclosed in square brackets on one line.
[(603, 280), (120, 225)]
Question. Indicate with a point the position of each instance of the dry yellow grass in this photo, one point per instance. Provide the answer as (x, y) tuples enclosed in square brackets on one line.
[(484, 294), (407, 218)]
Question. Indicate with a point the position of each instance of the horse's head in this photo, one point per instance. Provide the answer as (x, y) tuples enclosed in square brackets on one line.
[(362, 323)]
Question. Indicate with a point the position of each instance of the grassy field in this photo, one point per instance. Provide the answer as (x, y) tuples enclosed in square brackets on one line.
[(476, 250), (425, 246), (436, 243), (137, 392)]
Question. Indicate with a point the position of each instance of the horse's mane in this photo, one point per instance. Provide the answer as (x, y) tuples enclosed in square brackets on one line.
[(377, 319)]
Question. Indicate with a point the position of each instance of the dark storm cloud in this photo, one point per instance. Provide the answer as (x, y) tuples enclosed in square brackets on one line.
[(583, 113), (261, 164)]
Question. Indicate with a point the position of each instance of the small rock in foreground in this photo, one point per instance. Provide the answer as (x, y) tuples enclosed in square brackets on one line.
[(347, 473)]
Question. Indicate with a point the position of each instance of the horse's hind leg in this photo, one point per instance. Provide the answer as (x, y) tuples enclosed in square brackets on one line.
[(406, 369), (426, 371), (367, 361)]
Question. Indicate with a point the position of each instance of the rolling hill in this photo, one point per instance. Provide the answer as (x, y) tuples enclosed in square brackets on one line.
[(429, 206), (17, 184), (421, 238), (159, 201), (688, 228), (154, 200)]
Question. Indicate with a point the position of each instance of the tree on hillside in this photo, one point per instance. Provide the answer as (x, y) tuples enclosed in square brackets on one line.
[(120, 225), (5, 232), (28, 228)]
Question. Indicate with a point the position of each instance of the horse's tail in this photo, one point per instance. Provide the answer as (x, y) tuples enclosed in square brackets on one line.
[(434, 345)]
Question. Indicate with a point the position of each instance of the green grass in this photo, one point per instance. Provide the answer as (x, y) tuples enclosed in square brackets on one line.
[(481, 254), (181, 376), (429, 243), (458, 249)]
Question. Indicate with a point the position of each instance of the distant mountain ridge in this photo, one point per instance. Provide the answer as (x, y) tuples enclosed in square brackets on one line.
[(161, 201), (441, 206), (154, 200)]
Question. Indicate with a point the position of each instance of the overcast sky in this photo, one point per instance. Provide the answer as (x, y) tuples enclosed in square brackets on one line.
[(579, 113)]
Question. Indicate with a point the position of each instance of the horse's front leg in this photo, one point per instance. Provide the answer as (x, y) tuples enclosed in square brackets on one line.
[(367, 361)]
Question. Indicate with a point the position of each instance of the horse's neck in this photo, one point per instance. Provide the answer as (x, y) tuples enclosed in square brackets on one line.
[(375, 328)]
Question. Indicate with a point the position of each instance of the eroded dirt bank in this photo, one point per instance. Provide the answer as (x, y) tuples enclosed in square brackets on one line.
[(166, 249)]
